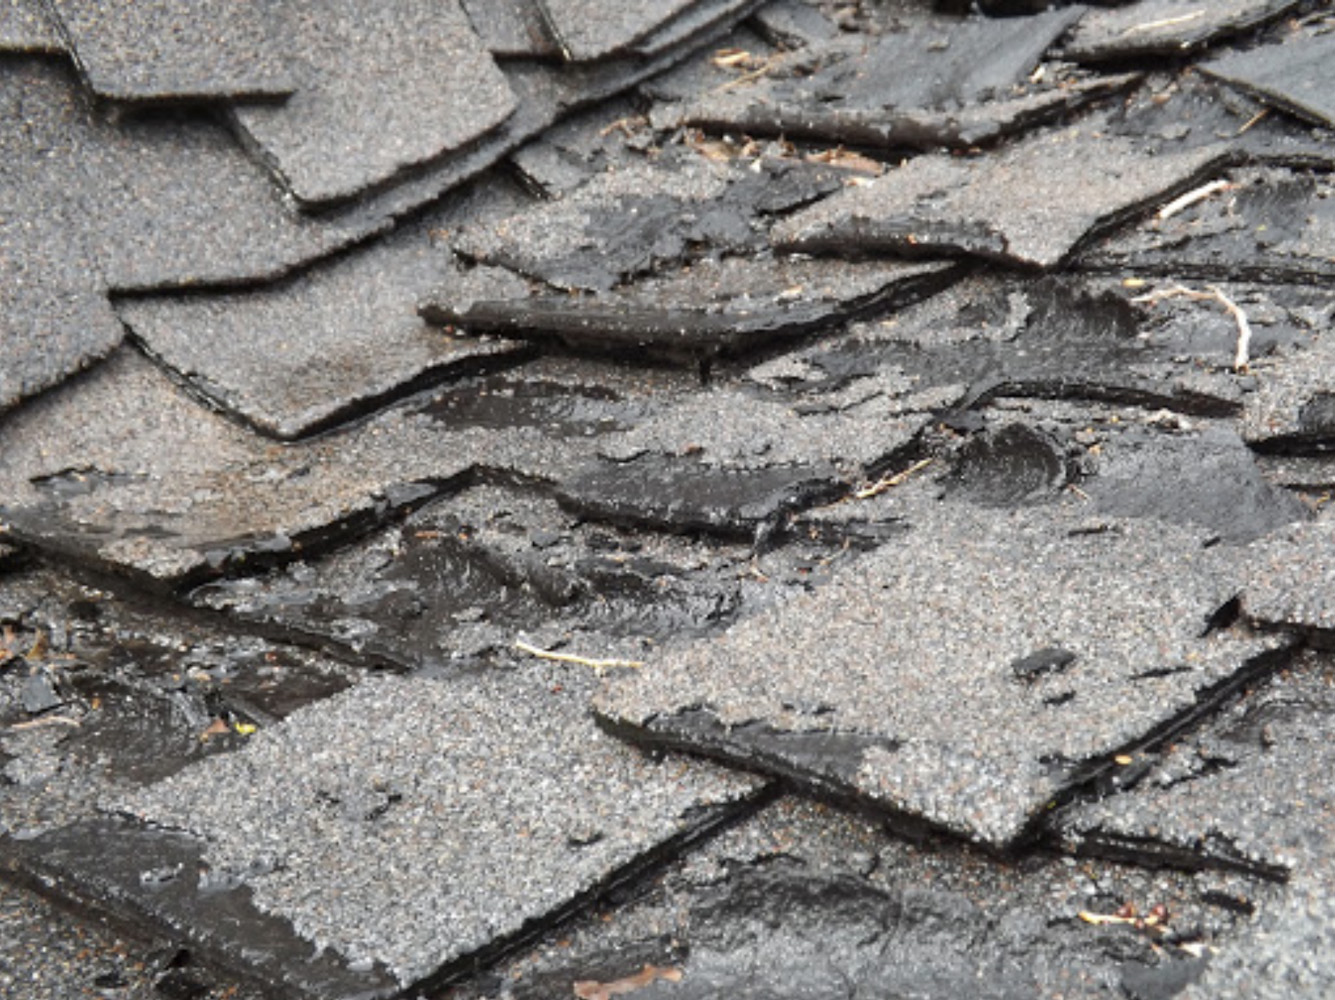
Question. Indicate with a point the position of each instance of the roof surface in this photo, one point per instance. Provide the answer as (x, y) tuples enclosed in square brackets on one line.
[(535, 499)]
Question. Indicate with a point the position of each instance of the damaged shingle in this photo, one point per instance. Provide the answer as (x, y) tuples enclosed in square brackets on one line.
[(911, 650), (380, 90), (433, 799), (1268, 224), (631, 221), (699, 312), (1166, 27), (163, 490), (1294, 76), (1030, 204), (173, 50), (941, 82)]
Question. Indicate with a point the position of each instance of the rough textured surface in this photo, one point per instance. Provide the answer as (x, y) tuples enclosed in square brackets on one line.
[(1165, 27), (345, 848), (1200, 801), (296, 358), (1029, 527), (1294, 76), (587, 31), (54, 316), (1074, 184), (892, 682), (25, 27), (630, 222), (166, 49), (336, 136), (1269, 225), (169, 492), (697, 313)]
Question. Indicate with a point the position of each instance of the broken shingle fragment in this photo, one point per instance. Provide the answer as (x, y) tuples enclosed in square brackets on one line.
[(941, 81), (432, 799), (161, 488), (1250, 791), (911, 651), (1165, 27), (174, 50), (1270, 224), (1030, 204), (379, 90), (641, 216), (1293, 75), (329, 344), (697, 313)]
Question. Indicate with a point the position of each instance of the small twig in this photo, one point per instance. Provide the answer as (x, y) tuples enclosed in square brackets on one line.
[(769, 64), (598, 666), (1191, 197), (1242, 354), (1253, 120), (1167, 22), (47, 720), (889, 482)]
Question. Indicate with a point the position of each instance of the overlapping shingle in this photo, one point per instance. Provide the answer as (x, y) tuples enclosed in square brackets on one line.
[(174, 50), (908, 680), (379, 91), (1165, 27), (331, 343), (482, 807), (1028, 205), (1294, 75)]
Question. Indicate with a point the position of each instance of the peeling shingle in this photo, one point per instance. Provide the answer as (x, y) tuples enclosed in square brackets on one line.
[(1294, 76), (1029, 204), (1166, 27)]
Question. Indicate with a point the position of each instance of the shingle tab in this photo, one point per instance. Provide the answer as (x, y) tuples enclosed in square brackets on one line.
[(380, 89), (177, 49)]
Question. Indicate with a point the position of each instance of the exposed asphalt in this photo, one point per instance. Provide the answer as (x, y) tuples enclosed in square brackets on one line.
[(547, 499)]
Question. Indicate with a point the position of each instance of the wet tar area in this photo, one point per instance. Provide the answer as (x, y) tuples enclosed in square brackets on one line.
[(557, 499)]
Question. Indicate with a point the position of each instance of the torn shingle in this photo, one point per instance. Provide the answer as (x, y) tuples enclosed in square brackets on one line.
[(331, 343), (1294, 76), (1266, 225), (162, 489), (1030, 204), (1165, 27), (909, 654), (175, 50), (379, 91), (699, 312), (633, 220), (942, 81)]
